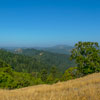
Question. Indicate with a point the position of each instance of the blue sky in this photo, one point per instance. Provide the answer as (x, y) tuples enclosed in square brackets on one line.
[(48, 22)]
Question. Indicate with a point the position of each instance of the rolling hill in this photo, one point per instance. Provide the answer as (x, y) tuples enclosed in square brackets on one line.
[(61, 61), (85, 88), (30, 60)]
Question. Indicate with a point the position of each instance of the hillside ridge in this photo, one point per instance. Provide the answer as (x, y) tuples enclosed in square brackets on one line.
[(84, 88)]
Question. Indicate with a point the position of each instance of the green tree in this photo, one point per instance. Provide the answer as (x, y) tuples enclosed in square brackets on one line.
[(70, 73), (54, 75), (87, 57), (3, 64), (54, 71), (50, 79), (44, 75)]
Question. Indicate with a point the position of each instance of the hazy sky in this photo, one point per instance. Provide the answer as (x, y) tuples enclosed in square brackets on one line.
[(48, 22)]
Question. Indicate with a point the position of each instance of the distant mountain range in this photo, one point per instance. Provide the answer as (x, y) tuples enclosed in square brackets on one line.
[(61, 49)]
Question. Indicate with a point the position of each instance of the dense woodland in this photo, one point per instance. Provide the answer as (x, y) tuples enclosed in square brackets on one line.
[(26, 67), (46, 59)]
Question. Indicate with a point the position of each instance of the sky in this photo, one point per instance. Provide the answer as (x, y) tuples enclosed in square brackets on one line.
[(32, 23)]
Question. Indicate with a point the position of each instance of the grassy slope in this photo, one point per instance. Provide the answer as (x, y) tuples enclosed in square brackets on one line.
[(86, 88)]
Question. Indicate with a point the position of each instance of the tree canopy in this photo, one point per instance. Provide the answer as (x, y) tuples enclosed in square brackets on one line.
[(87, 56)]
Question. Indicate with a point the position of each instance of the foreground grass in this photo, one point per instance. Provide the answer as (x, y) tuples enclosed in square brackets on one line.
[(86, 88)]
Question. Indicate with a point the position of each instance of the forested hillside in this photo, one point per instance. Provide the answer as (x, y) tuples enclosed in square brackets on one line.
[(61, 61), (11, 79), (17, 71), (22, 63)]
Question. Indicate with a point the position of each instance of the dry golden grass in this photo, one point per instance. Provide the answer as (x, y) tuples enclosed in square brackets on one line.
[(86, 88)]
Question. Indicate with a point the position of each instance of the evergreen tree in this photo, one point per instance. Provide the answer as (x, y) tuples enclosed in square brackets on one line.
[(44, 75)]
